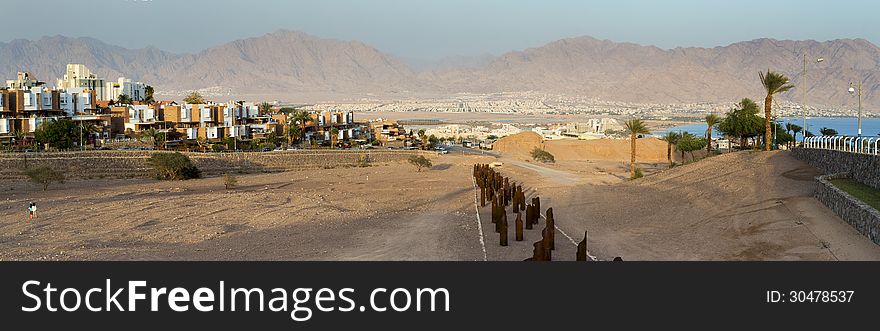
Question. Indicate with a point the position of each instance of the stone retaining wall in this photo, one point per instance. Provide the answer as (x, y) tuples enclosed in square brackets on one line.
[(133, 164), (864, 218), (861, 167)]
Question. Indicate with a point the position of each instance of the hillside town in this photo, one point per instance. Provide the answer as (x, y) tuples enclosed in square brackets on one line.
[(124, 113)]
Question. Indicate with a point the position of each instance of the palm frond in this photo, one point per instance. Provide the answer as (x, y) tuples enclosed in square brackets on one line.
[(636, 126)]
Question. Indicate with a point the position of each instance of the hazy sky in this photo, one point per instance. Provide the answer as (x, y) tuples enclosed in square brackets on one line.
[(433, 29)]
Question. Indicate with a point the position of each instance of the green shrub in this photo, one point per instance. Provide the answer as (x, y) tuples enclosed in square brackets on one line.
[(229, 181), (173, 166), (44, 175), (420, 162), (541, 155), (638, 174)]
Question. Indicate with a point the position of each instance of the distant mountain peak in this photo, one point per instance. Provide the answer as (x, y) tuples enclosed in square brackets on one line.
[(284, 63)]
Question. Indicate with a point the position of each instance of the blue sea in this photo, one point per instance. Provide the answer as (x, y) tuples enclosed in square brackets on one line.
[(847, 126)]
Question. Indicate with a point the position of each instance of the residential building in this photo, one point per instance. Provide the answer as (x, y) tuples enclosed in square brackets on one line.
[(135, 90), (79, 76), (388, 132), (23, 81)]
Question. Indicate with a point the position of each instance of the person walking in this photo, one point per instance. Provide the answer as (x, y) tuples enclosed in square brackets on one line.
[(32, 210)]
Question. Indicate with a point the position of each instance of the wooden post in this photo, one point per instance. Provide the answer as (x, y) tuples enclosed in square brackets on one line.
[(519, 227), (545, 244), (582, 249), (530, 215), (538, 252), (551, 227), (504, 230)]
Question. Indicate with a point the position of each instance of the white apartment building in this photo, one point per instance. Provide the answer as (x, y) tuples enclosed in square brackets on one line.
[(135, 90), (79, 76), (76, 101)]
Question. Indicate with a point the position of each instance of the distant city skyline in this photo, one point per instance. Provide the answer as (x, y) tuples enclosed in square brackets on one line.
[(430, 30)]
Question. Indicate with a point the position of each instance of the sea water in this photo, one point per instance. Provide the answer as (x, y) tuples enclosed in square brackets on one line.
[(847, 126)]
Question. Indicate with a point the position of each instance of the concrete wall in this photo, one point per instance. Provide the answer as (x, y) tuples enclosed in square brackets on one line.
[(133, 164), (861, 167), (864, 218)]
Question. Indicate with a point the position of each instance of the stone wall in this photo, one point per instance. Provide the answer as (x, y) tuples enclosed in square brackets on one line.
[(864, 218), (133, 164), (861, 167)]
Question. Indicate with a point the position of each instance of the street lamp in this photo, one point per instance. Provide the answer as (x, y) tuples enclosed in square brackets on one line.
[(818, 60), (852, 91)]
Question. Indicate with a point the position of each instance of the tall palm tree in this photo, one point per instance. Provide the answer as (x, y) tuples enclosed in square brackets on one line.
[(634, 127), (711, 120), (773, 83), (671, 138)]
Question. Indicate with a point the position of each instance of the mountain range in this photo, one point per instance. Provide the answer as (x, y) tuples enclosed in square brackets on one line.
[(286, 64)]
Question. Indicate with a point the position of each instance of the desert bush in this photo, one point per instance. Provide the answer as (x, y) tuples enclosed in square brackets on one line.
[(638, 174), (44, 175), (229, 181), (420, 162), (363, 161), (173, 166), (541, 155)]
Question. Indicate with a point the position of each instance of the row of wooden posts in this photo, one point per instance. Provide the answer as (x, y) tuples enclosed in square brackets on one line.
[(500, 194)]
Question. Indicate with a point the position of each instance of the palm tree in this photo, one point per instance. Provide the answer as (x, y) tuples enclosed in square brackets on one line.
[(671, 138), (334, 132), (711, 121), (792, 129), (634, 127), (828, 132), (150, 133), (19, 137), (265, 108), (302, 117), (773, 83), (293, 132)]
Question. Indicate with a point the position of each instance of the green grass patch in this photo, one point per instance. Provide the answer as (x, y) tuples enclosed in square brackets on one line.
[(867, 194)]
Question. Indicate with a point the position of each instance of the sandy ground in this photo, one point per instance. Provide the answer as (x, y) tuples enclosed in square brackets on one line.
[(740, 206), (388, 212)]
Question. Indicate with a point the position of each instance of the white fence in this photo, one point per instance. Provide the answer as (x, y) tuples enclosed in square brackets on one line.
[(859, 145)]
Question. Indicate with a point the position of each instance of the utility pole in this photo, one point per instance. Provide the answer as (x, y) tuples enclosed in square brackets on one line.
[(851, 91), (804, 104)]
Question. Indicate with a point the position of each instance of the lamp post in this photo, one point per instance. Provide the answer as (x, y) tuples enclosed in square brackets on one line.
[(804, 104), (853, 91)]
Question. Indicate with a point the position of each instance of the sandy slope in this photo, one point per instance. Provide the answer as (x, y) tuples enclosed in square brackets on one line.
[(520, 145), (740, 206)]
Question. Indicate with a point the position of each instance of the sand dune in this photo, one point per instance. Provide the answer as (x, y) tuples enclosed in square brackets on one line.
[(521, 144)]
